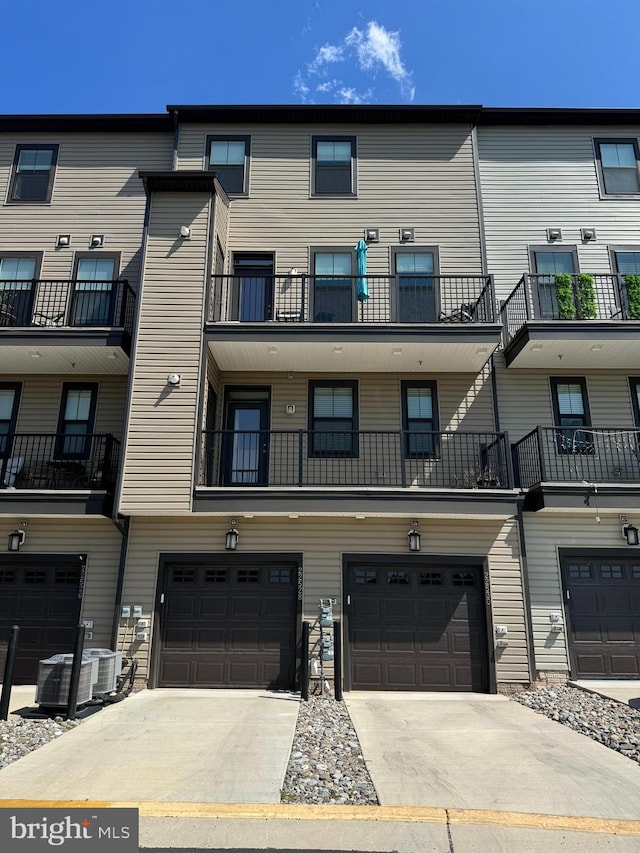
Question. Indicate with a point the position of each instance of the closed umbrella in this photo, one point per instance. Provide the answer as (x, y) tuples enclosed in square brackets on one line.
[(362, 291)]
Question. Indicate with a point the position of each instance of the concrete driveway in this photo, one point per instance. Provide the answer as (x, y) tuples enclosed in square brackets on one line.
[(222, 746), (487, 752)]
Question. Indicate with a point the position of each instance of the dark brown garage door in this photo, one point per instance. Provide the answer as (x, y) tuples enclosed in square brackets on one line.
[(603, 603), (416, 628), (41, 595), (227, 625)]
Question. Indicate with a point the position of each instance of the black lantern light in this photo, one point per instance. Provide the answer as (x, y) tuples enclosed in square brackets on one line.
[(414, 539), (231, 540), (16, 540), (630, 533)]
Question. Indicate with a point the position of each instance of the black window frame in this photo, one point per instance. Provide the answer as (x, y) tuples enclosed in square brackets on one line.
[(395, 253), (563, 432), (220, 170), (113, 295), (435, 419), (319, 453), (602, 184), (36, 146), (16, 387), (352, 192), (85, 452), (634, 389), (546, 301)]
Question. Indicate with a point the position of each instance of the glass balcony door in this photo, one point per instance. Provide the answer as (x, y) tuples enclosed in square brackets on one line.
[(333, 287)]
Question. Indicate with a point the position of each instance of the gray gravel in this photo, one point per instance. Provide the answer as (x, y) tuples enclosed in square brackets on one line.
[(326, 763), (611, 723), (19, 737)]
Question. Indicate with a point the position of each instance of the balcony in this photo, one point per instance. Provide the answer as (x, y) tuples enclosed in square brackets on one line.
[(302, 322), (37, 468), (585, 469), (584, 321), (454, 472), (69, 319)]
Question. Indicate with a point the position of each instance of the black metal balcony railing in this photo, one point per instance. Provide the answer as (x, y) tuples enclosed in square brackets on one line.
[(60, 462), (460, 460), (323, 299), (77, 304), (566, 297), (577, 455)]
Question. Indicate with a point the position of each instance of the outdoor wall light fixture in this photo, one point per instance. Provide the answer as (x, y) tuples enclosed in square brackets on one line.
[(16, 540), (554, 234), (630, 533), (293, 271), (414, 539), (231, 537), (588, 234), (96, 241), (173, 379), (407, 235), (372, 235), (63, 241), (185, 232)]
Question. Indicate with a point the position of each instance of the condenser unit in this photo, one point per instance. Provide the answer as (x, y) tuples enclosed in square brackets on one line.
[(54, 679), (109, 668)]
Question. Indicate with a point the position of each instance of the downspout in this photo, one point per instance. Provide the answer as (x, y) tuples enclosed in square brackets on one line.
[(525, 590), (176, 138), (123, 527)]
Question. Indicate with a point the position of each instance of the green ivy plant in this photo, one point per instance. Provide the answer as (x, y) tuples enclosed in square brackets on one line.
[(564, 296), (632, 284), (587, 297)]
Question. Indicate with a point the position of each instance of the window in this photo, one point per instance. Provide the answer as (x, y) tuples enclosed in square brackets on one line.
[(9, 402), (33, 170), (634, 385), (547, 263), (228, 157), (333, 419), (571, 413), (420, 419), (334, 159), (333, 291), (617, 161), (94, 290), (17, 289), (417, 296), (75, 424), (627, 262)]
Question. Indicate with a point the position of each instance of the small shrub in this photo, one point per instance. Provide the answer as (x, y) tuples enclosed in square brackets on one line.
[(564, 296), (587, 297), (632, 284)]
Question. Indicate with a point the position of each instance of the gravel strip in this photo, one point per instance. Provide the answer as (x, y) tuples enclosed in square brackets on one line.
[(326, 763), (20, 737), (610, 723)]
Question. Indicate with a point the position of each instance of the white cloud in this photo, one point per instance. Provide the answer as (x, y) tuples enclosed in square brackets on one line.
[(368, 52)]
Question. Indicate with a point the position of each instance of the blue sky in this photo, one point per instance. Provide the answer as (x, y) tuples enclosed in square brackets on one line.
[(138, 56)]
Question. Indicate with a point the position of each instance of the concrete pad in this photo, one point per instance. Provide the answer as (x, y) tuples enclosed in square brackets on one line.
[(488, 752), (510, 839), (191, 745), (625, 691), (22, 696)]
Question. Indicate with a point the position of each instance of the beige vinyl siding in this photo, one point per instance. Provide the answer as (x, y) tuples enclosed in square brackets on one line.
[(162, 423), (42, 394), (221, 226), (323, 542), (411, 176), (544, 534), (101, 541), (534, 178), (96, 191)]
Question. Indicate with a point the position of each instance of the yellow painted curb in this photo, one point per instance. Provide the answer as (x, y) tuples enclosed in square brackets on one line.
[(395, 814)]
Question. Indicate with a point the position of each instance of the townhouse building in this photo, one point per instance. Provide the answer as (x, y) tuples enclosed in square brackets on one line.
[(252, 358)]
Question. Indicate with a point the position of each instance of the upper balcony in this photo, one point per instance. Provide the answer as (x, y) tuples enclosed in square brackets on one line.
[(579, 468), (314, 323), (87, 323), (579, 322)]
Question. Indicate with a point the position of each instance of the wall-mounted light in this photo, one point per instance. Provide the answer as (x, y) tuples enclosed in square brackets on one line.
[(96, 241), (554, 234), (414, 539), (588, 234), (231, 536), (292, 271), (372, 235), (630, 533), (63, 241), (173, 379), (16, 540), (406, 235), (185, 232)]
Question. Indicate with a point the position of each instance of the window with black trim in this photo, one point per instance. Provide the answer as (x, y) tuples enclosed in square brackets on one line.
[(334, 165), (333, 418), (76, 420), (94, 290), (571, 414), (9, 403), (548, 262), (634, 385), (417, 293), (18, 274), (228, 157), (34, 168), (618, 161), (420, 419)]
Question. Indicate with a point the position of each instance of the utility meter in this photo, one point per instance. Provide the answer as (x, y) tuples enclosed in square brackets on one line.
[(326, 615), (326, 650)]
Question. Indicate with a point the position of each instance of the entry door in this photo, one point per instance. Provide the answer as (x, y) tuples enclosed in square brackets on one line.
[(10, 466), (333, 290), (251, 298), (17, 290), (245, 447), (547, 266), (417, 297), (94, 292)]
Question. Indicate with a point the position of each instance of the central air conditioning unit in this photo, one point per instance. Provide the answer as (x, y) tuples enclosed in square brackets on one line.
[(109, 668), (54, 679)]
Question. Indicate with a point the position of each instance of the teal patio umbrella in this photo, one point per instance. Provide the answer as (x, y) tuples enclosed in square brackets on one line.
[(362, 291)]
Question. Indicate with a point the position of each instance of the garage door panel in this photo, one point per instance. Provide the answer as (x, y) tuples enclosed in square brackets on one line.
[(179, 638), (369, 641), (396, 608), (434, 642), (625, 666), (368, 675), (181, 608), (435, 611), (206, 673), (364, 608), (247, 608), (245, 638), (31, 608), (210, 606), (614, 602), (619, 631), (208, 638), (400, 641)]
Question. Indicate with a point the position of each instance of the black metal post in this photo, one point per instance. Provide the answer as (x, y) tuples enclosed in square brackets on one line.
[(337, 660), (74, 684), (304, 662), (9, 665)]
